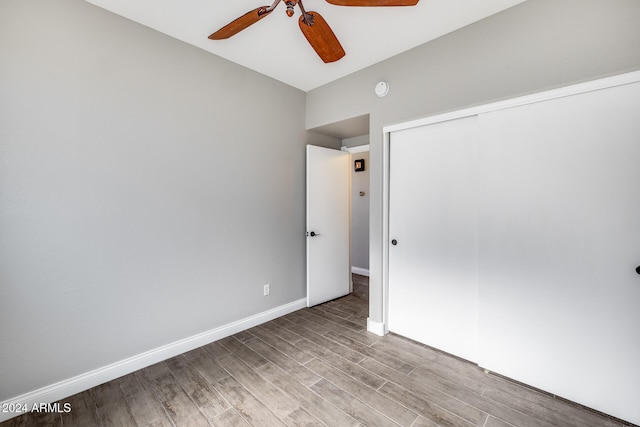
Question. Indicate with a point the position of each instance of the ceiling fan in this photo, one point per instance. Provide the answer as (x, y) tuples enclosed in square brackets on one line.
[(313, 26)]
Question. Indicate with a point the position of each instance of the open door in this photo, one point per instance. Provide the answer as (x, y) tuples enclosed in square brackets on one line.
[(328, 263)]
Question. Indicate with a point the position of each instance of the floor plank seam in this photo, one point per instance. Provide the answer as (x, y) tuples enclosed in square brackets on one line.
[(159, 400), (424, 414), (363, 385)]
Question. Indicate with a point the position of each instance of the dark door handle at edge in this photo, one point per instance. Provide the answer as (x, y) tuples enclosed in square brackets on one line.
[(394, 242), (638, 269), (314, 234)]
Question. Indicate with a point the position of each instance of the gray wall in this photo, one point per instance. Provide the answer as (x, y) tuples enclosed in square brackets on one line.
[(148, 190), (360, 213), (537, 45)]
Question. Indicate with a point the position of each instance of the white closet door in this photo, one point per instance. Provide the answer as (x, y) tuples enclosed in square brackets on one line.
[(433, 221), (559, 242)]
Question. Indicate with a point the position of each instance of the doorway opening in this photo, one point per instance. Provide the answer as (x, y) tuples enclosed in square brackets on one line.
[(358, 148), (353, 135)]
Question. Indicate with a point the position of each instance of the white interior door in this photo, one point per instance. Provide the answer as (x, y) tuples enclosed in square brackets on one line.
[(328, 264), (433, 224)]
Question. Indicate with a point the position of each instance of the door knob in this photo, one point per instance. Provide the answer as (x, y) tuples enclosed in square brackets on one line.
[(638, 269), (314, 234), (394, 242)]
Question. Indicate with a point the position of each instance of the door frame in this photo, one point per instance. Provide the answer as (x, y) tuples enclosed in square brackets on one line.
[(604, 83)]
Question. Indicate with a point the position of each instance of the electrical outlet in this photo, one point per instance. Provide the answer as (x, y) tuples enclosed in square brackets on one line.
[(266, 290)]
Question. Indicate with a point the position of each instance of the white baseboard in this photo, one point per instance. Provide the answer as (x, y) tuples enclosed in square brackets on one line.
[(360, 271), (82, 382), (375, 327)]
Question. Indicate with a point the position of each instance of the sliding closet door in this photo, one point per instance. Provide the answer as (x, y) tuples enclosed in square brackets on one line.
[(433, 227), (559, 244)]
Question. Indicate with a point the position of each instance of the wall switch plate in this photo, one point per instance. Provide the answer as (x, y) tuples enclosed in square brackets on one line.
[(267, 290)]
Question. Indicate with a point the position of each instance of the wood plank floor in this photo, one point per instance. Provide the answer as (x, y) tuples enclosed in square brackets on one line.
[(315, 367)]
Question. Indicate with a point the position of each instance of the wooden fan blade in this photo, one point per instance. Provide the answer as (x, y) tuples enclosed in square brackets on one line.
[(373, 3), (234, 27), (321, 38)]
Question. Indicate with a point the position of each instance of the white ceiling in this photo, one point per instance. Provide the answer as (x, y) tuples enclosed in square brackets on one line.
[(275, 46)]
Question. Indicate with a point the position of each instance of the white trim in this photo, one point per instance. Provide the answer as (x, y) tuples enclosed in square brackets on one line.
[(82, 382), (375, 327), (386, 172), (356, 149), (576, 89), (360, 271)]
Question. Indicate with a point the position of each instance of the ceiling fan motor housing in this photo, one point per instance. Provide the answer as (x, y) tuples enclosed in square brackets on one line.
[(290, 5)]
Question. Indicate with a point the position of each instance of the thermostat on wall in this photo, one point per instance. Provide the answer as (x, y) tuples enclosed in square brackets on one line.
[(382, 88)]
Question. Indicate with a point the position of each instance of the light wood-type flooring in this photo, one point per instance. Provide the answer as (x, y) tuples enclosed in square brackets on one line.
[(316, 367)]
